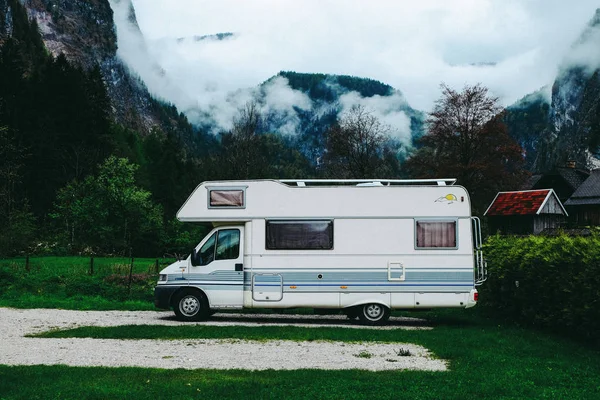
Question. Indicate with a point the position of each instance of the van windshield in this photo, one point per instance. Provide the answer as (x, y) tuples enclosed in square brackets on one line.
[(207, 251)]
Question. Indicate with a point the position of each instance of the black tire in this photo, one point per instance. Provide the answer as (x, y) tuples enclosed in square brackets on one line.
[(373, 314), (190, 305)]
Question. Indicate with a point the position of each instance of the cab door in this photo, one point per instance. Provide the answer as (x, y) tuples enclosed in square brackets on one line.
[(218, 267)]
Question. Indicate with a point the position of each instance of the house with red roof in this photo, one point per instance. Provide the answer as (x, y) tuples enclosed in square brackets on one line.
[(525, 212)]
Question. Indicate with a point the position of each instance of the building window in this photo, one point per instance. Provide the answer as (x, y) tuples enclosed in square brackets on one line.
[(436, 235), (299, 235), (226, 198)]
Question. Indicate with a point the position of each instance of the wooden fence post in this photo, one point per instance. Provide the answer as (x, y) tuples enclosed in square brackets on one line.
[(92, 265), (130, 275), (156, 266), (27, 266)]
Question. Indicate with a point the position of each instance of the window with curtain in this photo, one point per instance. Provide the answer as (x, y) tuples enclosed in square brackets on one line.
[(299, 235), (226, 198), (436, 234)]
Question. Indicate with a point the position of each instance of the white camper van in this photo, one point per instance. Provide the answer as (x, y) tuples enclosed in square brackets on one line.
[(362, 246)]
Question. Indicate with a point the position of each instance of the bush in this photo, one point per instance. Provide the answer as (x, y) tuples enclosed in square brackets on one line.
[(551, 282)]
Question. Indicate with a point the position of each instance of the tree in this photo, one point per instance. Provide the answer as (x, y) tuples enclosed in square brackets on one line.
[(241, 145), (16, 220), (467, 140), (358, 146), (108, 213)]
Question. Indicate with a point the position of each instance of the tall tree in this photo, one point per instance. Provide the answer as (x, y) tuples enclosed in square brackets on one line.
[(358, 146), (241, 145), (17, 222), (467, 140), (108, 212)]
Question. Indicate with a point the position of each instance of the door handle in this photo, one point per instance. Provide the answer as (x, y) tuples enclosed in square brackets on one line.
[(239, 267)]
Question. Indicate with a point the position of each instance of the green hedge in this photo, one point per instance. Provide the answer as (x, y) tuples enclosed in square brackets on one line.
[(552, 282)]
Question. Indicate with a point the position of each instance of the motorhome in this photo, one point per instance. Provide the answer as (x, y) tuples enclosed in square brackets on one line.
[(364, 247)]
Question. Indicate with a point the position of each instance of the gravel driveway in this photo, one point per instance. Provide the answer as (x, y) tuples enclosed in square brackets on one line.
[(200, 353)]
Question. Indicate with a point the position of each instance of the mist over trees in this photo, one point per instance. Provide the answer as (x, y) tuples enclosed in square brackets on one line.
[(359, 146)]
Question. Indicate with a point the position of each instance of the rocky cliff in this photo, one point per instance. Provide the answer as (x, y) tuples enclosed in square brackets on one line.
[(564, 124), (84, 31)]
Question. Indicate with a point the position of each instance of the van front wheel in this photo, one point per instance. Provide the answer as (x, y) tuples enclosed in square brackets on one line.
[(190, 305), (373, 314)]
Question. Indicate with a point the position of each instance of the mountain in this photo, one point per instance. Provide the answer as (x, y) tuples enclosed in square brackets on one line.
[(322, 99), (297, 106), (84, 31), (563, 123)]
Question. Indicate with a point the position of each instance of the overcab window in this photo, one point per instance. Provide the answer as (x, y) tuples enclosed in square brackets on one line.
[(436, 235), (226, 198), (299, 235)]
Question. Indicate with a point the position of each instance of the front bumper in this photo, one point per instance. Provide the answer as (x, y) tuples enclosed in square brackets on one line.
[(163, 295)]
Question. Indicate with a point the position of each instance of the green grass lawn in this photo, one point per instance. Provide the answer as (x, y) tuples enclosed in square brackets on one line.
[(487, 361), (72, 283), (49, 266)]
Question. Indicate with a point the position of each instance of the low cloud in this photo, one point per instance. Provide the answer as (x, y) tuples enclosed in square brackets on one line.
[(513, 48), (132, 49), (281, 102), (388, 109), (585, 52), (412, 46)]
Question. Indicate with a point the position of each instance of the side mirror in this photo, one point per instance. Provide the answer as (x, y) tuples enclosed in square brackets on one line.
[(195, 258)]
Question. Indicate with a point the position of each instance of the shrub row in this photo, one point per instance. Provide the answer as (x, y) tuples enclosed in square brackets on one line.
[(551, 282)]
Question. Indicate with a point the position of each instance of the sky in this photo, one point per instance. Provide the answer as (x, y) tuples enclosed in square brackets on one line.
[(513, 47)]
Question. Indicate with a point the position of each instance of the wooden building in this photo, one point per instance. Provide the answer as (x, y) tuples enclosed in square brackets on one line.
[(584, 203), (563, 180), (525, 212)]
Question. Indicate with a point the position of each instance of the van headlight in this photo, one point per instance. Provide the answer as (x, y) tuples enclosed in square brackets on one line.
[(162, 277)]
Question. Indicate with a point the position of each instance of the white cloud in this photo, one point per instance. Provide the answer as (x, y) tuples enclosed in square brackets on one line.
[(412, 46), (585, 52), (280, 102)]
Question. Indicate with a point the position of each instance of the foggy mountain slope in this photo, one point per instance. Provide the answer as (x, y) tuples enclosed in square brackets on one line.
[(330, 96), (552, 124), (212, 100), (563, 123), (84, 31)]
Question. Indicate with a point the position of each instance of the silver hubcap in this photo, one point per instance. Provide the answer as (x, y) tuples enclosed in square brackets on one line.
[(373, 311), (189, 305)]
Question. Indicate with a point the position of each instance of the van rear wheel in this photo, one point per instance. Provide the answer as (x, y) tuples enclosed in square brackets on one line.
[(190, 305), (373, 314)]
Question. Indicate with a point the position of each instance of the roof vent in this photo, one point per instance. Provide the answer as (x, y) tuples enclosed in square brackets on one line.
[(571, 164)]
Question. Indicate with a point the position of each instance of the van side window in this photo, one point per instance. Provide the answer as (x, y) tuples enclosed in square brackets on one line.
[(435, 234), (222, 245), (299, 235), (228, 244)]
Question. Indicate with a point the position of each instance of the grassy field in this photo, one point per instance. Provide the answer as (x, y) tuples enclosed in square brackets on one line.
[(79, 283), (487, 360)]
